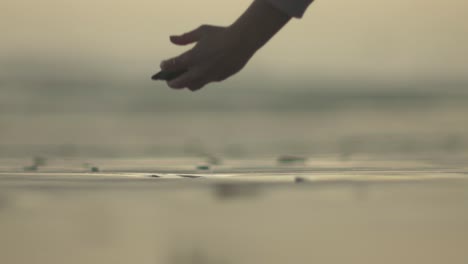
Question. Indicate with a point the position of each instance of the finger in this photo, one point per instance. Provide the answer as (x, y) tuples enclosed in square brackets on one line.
[(196, 86), (185, 80), (181, 62), (189, 37)]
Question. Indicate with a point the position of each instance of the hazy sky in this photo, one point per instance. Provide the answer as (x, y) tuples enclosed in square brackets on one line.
[(377, 38)]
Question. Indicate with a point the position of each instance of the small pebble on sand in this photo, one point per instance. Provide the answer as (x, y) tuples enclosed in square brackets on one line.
[(37, 162), (167, 76), (299, 180), (203, 167), (190, 176), (287, 159)]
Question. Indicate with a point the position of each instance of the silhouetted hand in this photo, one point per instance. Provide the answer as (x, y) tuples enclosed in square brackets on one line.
[(219, 53)]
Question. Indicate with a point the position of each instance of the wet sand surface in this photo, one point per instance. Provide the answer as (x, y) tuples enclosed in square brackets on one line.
[(167, 211), (91, 168)]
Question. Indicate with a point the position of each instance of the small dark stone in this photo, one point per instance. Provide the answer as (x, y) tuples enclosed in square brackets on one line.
[(189, 176), (94, 169), (299, 180), (155, 176), (291, 160), (203, 167), (167, 76)]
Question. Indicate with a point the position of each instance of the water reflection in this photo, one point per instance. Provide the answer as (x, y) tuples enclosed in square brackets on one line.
[(236, 190)]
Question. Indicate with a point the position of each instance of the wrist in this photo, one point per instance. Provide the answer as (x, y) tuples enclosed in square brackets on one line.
[(258, 25)]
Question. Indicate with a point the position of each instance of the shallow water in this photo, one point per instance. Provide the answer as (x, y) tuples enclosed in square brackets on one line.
[(242, 211), (364, 184), (397, 132)]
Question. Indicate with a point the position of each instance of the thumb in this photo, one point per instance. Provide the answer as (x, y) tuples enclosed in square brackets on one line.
[(189, 37)]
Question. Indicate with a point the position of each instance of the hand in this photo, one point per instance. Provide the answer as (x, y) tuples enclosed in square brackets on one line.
[(218, 54), (221, 52)]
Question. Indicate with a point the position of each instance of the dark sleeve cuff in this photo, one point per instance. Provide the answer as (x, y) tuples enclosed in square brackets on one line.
[(294, 8)]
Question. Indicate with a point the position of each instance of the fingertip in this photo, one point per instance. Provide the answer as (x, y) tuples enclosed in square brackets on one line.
[(195, 88), (174, 85), (173, 38), (179, 40)]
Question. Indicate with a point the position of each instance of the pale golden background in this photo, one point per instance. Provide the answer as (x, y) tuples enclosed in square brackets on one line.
[(376, 76), (385, 39)]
